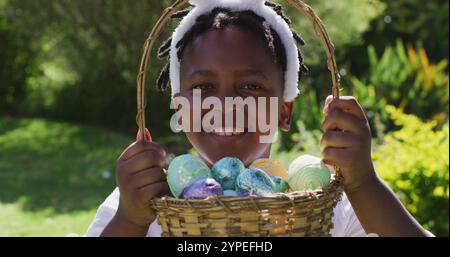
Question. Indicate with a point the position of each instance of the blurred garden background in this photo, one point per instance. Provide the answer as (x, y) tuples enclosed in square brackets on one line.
[(67, 101)]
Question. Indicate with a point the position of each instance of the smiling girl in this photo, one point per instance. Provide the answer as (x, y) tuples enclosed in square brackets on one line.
[(241, 48)]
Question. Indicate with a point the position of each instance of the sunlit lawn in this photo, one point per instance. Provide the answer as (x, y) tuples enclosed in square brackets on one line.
[(53, 175)]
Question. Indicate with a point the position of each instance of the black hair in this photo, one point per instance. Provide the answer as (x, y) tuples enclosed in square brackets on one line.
[(219, 18)]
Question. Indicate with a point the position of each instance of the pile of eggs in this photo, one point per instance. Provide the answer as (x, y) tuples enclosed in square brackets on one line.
[(190, 178)]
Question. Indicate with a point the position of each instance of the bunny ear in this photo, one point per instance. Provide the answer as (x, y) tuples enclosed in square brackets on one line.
[(211, 2), (196, 2)]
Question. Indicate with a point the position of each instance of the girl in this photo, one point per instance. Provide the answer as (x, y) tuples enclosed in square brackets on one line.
[(230, 48)]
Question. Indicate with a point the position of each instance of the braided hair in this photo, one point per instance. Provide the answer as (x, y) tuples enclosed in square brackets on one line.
[(219, 18)]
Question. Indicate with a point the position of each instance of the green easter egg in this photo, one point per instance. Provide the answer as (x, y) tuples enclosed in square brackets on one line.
[(281, 185), (184, 170), (308, 173)]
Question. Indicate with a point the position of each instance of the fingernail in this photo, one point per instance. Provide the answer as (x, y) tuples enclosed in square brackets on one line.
[(148, 136), (326, 109), (138, 135), (328, 100)]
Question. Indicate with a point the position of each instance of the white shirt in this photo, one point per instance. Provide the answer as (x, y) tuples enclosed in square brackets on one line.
[(346, 224)]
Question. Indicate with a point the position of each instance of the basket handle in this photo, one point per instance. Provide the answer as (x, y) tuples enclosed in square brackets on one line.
[(319, 29)]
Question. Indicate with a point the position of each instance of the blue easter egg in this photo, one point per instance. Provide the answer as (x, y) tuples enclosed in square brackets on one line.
[(202, 189), (185, 170), (230, 193), (226, 170), (253, 181), (281, 185)]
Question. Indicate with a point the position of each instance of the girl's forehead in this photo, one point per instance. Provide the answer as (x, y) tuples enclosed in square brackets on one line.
[(231, 45)]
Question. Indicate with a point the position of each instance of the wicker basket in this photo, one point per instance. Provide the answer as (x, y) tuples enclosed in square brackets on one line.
[(307, 213), (290, 214)]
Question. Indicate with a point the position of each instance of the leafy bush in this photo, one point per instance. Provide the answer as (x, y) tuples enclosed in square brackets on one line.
[(358, 19), (405, 78), (302, 140), (17, 63), (414, 161)]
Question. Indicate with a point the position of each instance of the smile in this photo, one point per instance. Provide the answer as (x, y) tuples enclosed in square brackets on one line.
[(265, 120), (228, 132), (228, 135)]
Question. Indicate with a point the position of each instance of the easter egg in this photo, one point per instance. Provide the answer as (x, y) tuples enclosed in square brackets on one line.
[(230, 193), (184, 170), (226, 170), (202, 189), (253, 181), (308, 172), (281, 185), (273, 168)]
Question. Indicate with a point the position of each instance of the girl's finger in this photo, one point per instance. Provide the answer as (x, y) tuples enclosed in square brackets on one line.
[(326, 108), (149, 192), (335, 156), (339, 120), (144, 160), (339, 139), (139, 147), (147, 177), (328, 99), (347, 104)]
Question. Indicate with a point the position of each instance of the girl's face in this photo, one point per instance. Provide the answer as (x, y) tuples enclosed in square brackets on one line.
[(232, 62)]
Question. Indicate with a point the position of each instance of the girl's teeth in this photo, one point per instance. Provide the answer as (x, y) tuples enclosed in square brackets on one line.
[(222, 133)]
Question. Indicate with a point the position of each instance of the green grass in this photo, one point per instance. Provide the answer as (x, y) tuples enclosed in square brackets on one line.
[(53, 175)]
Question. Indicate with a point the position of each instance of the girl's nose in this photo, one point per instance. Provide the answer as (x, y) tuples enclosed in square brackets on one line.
[(227, 90)]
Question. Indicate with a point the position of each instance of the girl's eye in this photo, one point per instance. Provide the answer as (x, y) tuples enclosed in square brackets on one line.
[(202, 86), (250, 86)]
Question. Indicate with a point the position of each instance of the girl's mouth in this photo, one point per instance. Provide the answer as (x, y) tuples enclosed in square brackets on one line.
[(227, 135)]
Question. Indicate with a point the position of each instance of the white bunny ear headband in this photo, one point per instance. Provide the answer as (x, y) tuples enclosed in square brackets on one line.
[(277, 23)]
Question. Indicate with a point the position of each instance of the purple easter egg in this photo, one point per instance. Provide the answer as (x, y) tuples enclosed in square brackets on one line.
[(202, 189)]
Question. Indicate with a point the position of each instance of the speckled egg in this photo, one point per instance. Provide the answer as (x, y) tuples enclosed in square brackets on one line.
[(271, 167), (226, 170), (202, 189), (185, 170), (253, 181), (308, 173), (281, 185)]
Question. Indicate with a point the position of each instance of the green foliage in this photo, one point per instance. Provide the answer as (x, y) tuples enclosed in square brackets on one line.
[(409, 20), (53, 175), (307, 115), (303, 141), (58, 166), (406, 79), (17, 63), (14, 221), (414, 162), (402, 19), (88, 54), (357, 21)]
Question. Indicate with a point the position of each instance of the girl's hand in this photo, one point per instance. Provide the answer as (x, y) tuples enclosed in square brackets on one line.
[(346, 142), (140, 177)]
